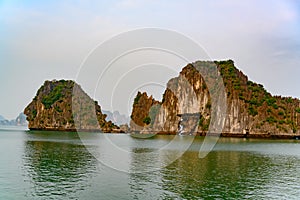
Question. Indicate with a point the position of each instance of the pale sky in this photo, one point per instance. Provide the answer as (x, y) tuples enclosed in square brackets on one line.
[(45, 40)]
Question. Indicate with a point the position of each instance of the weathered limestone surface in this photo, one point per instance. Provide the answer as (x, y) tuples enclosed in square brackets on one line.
[(251, 110), (62, 105)]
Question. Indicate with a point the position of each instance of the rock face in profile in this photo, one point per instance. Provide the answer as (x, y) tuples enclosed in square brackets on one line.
[(187, 104), (62, 105)]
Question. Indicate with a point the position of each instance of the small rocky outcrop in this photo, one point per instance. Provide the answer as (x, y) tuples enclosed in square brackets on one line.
[(125, 128), (63, 105), (141, 111), (251, 110)]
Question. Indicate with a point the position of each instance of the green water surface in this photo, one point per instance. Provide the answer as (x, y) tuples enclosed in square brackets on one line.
[(59, 165)]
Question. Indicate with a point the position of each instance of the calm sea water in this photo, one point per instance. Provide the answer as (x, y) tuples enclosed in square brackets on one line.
[(57, 165)]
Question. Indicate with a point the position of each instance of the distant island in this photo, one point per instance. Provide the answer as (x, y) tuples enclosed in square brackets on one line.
[(251, 110), (19, 121), (116, 117)]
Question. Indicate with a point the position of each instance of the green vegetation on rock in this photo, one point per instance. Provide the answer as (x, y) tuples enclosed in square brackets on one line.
[(258, 101), (147, 120), (60, 105), (249, 105), (137, 98)]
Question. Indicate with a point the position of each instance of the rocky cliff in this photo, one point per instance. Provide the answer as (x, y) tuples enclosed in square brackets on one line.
[(186, 106), (63, 105)]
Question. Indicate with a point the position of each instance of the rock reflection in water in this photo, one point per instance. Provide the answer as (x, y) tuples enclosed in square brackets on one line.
[(220, 175), (57, 169)]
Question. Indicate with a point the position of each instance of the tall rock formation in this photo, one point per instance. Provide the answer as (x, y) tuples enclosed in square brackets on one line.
[(186, 106), (63, 105)]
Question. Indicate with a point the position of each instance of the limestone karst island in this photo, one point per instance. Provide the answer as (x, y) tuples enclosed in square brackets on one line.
[(251, 110), (55, 108)]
